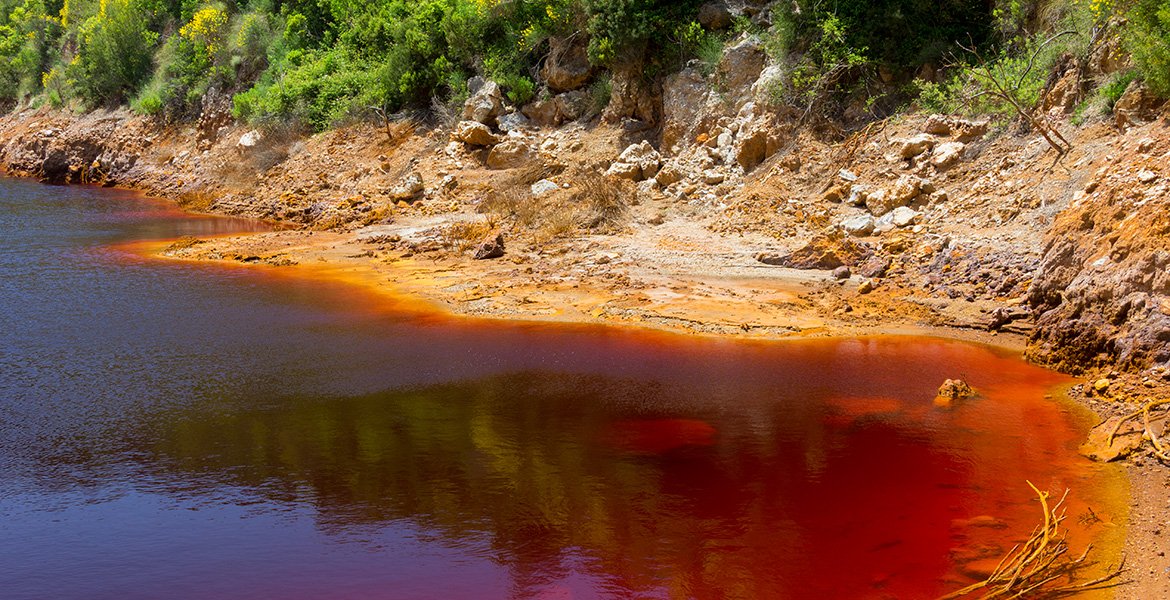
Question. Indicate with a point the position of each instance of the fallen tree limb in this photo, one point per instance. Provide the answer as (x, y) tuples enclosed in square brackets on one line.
[(1041, 568)]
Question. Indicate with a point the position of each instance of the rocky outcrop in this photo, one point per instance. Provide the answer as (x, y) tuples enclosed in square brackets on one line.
[(1101, 295), (632, 96), (97, 148), (475, 134)]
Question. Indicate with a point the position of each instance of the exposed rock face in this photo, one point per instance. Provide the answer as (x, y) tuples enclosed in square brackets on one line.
[(632, 97), (752, 147), (475, 133), (484, 105), (512, 153), (1067, 91), (1135, 106), (740, 67), (690, 107), (1102, 291), (215, 113), (567, 66)]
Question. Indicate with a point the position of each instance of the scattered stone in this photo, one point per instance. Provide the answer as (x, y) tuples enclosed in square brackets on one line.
[(916, 145), (713, 177), (902, 217), (541, 112), (512, 153), (1101, 386), (999, 317), (1147, 176), (491, 246), (248, 141), (408, 188), (625, 171), (866, 286), (842, 272), (827, 252), (570, 105), (955, 389), (752, 149), (847, 175), (776, 259), (513, 121), (668, 175), (543, 187), (937, 125), (947, 154), (475, 133), (485, 104), (859, 226), (875, 267)]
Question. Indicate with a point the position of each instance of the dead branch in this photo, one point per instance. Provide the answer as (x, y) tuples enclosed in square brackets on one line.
[(1004, 90), (1159, 450), (1041, 567)]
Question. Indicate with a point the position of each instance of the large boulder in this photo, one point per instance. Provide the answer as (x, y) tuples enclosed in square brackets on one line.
[(512, 153), (475, 133), (485, 104), (714, 15), (567, 66)]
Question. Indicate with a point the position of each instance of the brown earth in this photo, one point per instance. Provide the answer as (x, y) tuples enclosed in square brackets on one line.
[(1062, 256)]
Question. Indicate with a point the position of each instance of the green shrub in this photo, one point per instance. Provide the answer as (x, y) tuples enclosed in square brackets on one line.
[(114, 57), (1148, 39)]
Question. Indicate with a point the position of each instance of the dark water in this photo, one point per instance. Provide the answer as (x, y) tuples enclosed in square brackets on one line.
[(186, 430)]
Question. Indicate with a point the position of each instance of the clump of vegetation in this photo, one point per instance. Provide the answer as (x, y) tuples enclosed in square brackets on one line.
[(1148, 39)]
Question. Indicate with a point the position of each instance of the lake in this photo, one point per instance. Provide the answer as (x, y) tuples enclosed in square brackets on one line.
[(196, 430)]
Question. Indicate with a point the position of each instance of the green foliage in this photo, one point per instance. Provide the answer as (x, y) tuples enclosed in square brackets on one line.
[(901, 32), (114, 57), (1148, 39), (618, 27), (1115, 86)]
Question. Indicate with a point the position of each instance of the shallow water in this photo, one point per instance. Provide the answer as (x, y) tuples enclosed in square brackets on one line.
[(190, 430)]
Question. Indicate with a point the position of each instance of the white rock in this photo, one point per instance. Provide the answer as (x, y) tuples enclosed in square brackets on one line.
[(543, 187), (947, 154), (859, 226)]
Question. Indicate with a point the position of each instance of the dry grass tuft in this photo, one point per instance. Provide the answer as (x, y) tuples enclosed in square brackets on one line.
[(593, 202), (465, 236), (197, 199)]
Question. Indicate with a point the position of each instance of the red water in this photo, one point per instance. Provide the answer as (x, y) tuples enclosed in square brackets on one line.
[(183, 430)]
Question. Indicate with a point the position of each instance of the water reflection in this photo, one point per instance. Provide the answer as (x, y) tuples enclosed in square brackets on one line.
[(189, 430)]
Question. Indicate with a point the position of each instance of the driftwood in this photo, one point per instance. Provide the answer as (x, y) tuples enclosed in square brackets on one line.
[(1042, 567), (1159, 449)]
